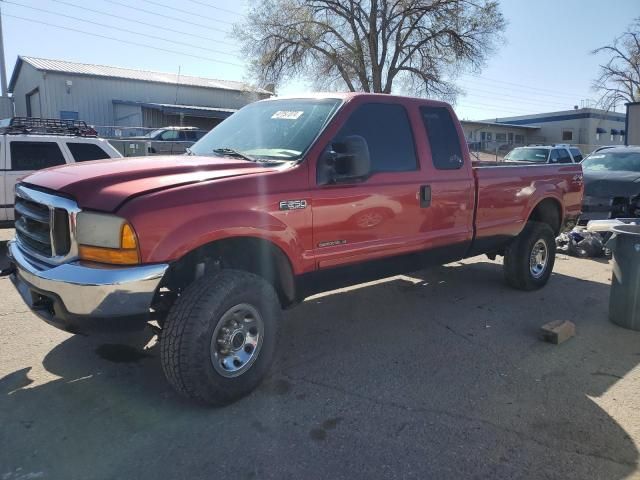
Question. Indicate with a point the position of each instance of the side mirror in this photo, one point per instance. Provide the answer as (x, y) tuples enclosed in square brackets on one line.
[(346, 160)]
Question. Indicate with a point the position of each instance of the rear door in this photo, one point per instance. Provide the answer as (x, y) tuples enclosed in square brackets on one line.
[(382, 215), (26, 155), (448, 222)]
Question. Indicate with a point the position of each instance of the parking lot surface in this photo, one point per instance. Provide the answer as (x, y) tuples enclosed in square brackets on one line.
[(438, 374)]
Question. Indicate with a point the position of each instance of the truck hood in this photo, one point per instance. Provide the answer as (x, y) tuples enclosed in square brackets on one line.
[(106, 184), (610, 184)]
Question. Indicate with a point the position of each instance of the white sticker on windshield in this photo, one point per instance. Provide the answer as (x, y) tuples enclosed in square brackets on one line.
[(596, 156), (540, 155), (287, 115)]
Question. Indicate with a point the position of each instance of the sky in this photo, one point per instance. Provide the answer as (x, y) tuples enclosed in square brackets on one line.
[(543, 65)]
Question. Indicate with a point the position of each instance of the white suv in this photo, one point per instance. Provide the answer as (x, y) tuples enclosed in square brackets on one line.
[(28, 144), (559, 153)]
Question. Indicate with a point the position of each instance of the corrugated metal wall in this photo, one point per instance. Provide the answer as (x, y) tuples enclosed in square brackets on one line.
[(92, 97)]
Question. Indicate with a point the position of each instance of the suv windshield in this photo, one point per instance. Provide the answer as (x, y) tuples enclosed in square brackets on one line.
[(273, 129), (528, 155), (613, 161)]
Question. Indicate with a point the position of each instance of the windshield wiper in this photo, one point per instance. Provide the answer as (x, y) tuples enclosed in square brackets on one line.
[(233, 153)]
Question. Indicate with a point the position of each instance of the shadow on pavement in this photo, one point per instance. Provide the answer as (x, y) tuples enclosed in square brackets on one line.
[(440, 375)]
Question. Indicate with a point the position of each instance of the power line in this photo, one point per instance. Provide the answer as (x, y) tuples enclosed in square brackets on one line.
[(138, 22), (187, 12), (9, 2), (553, 93), (149, 12), (137, 44), (217, 8), (497, 97)]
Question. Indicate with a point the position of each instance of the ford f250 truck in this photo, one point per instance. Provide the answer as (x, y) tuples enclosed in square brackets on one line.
[(286, 198)]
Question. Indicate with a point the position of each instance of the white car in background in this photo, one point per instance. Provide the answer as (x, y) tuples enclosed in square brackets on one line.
[(29, 144)]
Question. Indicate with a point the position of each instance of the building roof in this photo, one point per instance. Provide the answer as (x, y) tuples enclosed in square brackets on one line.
[(191, 110), (63, 66), (563, 115), (497, 124)]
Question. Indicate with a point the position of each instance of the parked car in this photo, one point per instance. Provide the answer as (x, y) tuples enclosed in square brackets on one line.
[(612, 184), (171, 140), (545, 154), (285, 198), (29, 144)]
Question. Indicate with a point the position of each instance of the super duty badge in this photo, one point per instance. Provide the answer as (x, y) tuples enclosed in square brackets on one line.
[(293, 204)]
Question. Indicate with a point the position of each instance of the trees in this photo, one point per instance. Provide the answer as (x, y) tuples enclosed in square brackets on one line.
[(371, 45), (619, 78)]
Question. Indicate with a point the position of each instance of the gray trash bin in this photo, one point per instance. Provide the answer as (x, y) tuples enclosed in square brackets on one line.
[(624, 299)]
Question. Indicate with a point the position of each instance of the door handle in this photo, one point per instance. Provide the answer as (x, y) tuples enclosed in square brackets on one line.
[(425, 196)]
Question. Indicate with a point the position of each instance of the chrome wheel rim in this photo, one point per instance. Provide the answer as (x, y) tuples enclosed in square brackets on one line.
[(538, 259), (236, 340)]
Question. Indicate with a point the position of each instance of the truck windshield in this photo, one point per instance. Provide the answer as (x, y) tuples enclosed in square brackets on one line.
[(269, 130), (538, 155), (613, 161)]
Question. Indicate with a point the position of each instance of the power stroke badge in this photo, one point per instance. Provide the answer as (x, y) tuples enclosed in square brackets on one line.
[(293, 204)]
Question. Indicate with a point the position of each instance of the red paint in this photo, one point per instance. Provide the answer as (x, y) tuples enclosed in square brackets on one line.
[(177, 204)]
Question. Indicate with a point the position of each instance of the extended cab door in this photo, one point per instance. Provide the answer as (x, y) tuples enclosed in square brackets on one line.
[(25, 155), (388, 213)]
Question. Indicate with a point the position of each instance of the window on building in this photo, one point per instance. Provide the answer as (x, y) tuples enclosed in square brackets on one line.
[(388, 133), (501, 137), (567, 135), (443, 138), (83, 152), (35, 155), (68, 115), (519, 139), (489, 136)]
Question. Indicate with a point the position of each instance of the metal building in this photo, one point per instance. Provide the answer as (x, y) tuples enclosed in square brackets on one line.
[(112, 97)]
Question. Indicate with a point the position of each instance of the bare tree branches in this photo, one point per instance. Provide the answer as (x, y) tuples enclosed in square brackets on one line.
[(367, 45), (619, 78)]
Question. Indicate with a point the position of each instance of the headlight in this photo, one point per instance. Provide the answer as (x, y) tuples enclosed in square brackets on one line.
[(106, 238)]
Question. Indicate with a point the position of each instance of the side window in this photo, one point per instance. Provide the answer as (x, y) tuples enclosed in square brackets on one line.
[(577, 156), (170, 135), (554, 156), (443, 138), (563, 156), (387, 131), (35, 155), (83, 152)]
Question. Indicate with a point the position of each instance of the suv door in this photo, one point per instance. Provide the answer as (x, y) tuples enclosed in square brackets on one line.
[(164, 143), (381, 215), (24, 156)]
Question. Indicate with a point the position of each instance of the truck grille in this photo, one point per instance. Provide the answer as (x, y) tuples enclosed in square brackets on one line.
[(42, 229)]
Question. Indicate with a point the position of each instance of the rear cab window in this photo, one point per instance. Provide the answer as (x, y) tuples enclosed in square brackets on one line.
[(387, 130), (83, 152), (35, 155), (446, 153)]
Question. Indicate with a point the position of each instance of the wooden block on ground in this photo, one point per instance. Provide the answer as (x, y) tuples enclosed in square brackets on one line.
[(558, 331)]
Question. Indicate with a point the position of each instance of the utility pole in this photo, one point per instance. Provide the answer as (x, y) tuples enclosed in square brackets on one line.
[(3, 70)]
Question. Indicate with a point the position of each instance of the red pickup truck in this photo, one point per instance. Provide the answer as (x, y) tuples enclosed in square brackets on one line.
[(287, 197)]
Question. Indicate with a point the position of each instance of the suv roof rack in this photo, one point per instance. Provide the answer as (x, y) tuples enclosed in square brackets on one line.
[(48, 126)]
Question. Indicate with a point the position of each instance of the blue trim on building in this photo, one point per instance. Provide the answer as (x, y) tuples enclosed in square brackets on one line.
[(560, 118)]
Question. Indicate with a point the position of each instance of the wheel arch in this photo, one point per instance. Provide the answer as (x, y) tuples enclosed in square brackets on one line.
[(252, 254), (549, 211)]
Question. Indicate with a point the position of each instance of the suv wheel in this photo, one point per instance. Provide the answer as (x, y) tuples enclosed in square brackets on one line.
[(529, 259), (219, 338)]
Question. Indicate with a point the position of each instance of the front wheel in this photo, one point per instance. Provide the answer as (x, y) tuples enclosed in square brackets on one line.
[(529, 259), (219, 338)]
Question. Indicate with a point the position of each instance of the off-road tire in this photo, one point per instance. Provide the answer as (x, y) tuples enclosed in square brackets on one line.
[(186, 337), (517, 271)]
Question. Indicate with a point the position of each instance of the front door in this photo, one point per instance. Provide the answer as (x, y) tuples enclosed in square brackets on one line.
[(382, 215)]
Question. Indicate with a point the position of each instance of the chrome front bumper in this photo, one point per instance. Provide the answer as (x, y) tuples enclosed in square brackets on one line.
[(72, 296)]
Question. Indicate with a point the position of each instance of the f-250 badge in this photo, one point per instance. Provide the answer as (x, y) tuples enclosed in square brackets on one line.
[(293, 204)]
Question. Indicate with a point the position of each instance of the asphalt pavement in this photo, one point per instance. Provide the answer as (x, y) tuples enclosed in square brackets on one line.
[(439, 374)]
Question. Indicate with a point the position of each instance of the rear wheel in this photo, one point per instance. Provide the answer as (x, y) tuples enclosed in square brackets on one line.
[(219, 338), (529, 259)]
